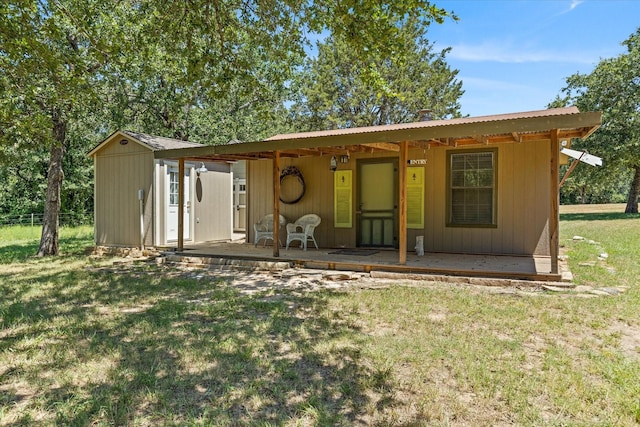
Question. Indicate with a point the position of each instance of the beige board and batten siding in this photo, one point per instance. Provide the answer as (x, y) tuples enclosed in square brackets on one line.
[(318, 198), (523, 186), (213, 212), (522, 201), (120, 171)]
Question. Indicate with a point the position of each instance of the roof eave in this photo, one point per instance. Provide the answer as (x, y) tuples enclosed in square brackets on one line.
[(586, 122)]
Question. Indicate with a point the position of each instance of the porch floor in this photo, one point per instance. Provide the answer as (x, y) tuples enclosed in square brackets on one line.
[(447, 264)]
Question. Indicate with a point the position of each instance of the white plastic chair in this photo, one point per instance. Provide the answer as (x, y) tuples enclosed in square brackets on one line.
[(264, 229), (303, 229)]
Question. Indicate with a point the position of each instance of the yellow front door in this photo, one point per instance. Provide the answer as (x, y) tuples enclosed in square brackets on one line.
[(377, 203)]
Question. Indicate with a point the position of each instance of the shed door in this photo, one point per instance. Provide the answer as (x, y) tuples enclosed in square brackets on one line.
[(172, 188), (239, 204), (377, 204)]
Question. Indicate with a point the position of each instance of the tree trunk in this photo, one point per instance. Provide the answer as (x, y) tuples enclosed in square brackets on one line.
[(50, 220), (634, 191)]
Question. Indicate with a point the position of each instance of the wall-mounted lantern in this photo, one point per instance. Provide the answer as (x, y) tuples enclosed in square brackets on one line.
[(333, 165), (201, 169)]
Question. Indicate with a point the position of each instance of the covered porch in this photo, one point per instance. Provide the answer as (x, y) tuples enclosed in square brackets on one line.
[(489, 266), (518, 239)]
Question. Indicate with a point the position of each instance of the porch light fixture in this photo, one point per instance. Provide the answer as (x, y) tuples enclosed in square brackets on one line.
[(333, 165), (344, 158), (201, 169)]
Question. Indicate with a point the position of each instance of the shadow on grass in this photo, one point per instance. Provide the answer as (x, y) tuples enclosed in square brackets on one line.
[(17, 253), (149, 349), (597, 216), (22, 252)]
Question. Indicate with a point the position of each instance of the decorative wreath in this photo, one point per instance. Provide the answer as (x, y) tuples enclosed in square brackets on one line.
[(294, 172)]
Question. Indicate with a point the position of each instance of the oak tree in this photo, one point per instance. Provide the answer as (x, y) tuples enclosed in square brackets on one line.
[(613, 87)]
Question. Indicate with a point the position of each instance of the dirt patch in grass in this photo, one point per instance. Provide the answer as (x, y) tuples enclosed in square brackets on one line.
[(629, 339)]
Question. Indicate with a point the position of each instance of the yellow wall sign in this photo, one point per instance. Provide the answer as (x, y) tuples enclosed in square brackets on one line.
[(415, 197), (342, 199)]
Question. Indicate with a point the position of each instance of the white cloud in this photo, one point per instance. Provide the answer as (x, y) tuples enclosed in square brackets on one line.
[(506, 53), (574, 4), (477, 83)]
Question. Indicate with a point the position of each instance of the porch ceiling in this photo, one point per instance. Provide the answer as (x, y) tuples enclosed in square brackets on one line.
[(505, 128)]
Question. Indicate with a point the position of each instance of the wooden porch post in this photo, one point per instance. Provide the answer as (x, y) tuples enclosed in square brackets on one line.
[(404, 154), (276, 204), (554, 214), (180, 204)]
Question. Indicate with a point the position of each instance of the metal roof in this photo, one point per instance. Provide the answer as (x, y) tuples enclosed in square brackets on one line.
[(501, 128), (429, 124)]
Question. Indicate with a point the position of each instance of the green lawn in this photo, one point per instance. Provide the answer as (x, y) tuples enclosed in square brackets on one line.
[(99, 342)]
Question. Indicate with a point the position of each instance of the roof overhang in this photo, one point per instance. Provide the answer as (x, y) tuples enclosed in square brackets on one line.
[(515, 127)]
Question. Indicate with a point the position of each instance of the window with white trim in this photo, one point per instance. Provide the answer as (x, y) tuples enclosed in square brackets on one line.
[(471, 186)]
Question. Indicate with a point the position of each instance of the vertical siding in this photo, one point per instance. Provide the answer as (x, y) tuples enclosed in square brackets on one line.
[(318, 198), (543, 196), (213, 214), (522, 201), (120, 172), (508, 164), (529, 186), (521, 211)]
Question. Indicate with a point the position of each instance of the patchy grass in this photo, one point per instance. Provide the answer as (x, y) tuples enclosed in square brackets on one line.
[(102, 342)]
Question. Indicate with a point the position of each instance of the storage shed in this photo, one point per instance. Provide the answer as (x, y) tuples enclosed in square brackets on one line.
[(136, 196)]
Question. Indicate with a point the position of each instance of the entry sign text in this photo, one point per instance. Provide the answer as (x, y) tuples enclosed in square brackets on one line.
[(417, 162)]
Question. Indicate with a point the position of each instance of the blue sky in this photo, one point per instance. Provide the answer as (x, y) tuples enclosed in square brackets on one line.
[(515, 55)]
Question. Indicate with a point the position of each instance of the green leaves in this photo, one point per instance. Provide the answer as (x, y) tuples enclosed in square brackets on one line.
[(337, 90), (613, 87)]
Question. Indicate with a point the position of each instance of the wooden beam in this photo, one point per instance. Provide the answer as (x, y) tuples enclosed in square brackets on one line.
[(589, 131), (337, 151), (482, 139), (402, 203), (554, 205), (574, 163), (276, 204), (425, 145), (305, 152), (516, 136), (386, 146), (180, 204)]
